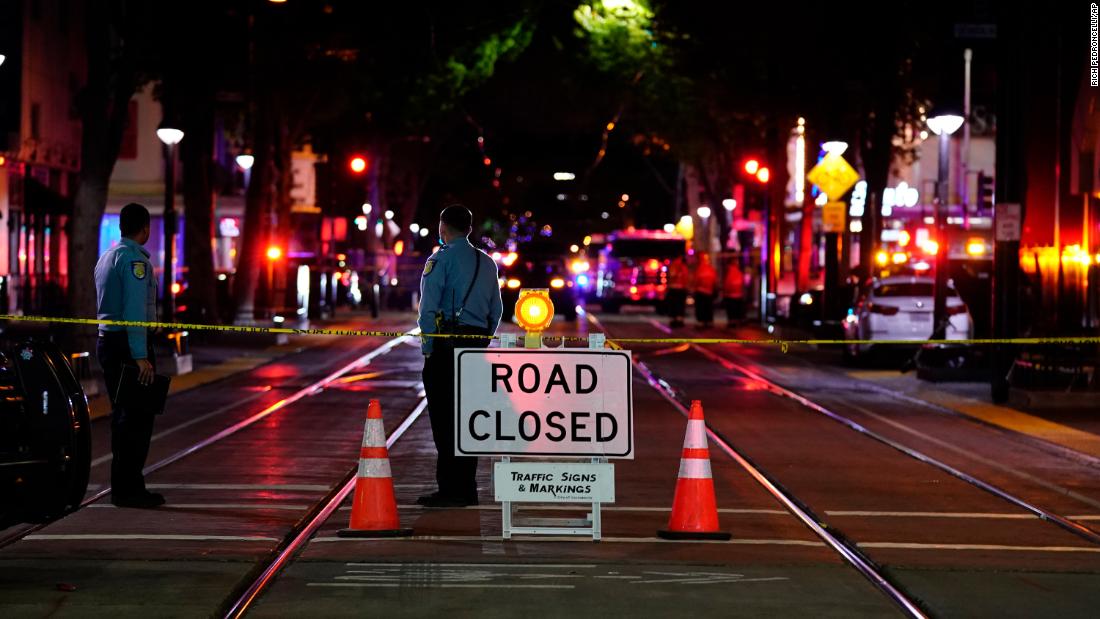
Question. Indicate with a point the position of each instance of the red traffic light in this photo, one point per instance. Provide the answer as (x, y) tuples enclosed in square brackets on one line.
[(763, 175), (751, 166), (357, 164)]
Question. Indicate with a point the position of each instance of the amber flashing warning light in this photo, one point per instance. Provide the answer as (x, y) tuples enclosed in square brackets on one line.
[(534, 310)]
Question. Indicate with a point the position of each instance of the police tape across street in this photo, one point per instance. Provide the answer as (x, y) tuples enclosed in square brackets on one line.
[(782, 343)]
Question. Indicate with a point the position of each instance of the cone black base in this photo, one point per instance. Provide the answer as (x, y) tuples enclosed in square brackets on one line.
[(379, 533), (682, 535)]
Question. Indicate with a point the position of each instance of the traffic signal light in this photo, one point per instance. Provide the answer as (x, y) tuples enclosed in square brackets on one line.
[(757, 170), (985, 192), (357, 164)]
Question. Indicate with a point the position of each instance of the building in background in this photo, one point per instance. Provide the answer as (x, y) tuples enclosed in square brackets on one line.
[(40, 134)]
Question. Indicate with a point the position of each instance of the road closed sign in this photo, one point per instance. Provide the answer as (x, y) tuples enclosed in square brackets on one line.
[(546, 403)]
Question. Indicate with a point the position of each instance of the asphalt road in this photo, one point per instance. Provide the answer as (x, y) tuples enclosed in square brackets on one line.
[(951, 546)]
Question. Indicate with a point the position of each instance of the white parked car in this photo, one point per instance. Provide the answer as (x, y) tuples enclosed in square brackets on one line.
[(900, 308)]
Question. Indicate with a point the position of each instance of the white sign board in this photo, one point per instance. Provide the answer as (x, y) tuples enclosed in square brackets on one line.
[(553, 482), (1006, 222), (543, 402)]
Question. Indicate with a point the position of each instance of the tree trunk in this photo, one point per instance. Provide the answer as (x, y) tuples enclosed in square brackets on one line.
[(250, 254), (197, 152), (103, 105)]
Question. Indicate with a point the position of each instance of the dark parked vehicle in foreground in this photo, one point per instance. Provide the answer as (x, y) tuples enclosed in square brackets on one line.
[(45, 434)]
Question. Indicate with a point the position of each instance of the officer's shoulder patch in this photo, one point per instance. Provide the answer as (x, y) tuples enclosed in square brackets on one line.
[(429, 265), (137, 268)]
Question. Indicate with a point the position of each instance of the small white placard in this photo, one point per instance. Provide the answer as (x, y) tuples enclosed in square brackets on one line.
[(1007, 222), (553, 482)]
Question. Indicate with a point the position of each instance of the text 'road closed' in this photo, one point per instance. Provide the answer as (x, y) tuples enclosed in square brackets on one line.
[(543, 403)]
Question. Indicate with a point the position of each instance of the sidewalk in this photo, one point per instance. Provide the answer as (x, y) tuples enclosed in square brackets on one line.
[(1067, 419), (1071, 420)]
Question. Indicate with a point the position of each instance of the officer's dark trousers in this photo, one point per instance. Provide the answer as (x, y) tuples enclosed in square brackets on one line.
[(677, 303), (456, 475), (704, 308), (131, 430)]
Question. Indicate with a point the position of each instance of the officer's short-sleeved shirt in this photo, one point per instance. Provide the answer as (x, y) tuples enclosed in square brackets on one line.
[(447, 275), (126, 289)]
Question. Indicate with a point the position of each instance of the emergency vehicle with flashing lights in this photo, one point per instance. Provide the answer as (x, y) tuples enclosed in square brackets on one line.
[(633, 267), (45, 434)]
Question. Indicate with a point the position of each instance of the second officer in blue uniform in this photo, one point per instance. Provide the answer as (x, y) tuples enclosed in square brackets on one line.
[(459, 294), (126, 289)]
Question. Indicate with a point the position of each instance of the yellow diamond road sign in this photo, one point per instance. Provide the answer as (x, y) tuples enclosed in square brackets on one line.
[(833, 176)]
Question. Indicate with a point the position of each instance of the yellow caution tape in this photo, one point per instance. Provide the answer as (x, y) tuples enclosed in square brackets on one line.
[(783, 344)]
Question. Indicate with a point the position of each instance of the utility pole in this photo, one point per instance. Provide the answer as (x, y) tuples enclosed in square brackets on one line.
[(964, 155), (1011, 187)]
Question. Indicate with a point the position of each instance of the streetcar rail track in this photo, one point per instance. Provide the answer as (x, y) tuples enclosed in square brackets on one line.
[(1042, 513), (244, 597), (847, 550)]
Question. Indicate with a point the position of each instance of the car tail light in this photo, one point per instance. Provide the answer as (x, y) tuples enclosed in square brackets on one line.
[(885, 310), (954, 310)]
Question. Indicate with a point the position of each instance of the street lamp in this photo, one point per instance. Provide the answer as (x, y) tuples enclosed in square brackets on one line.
[(170, 137), (245, 162), (942, 125)]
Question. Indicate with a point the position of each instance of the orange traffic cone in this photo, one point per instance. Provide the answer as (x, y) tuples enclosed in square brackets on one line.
[(374, 509), (694, 511)]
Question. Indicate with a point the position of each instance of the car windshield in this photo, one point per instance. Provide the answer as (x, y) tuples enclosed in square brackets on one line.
[(908, 289), (647, 248)]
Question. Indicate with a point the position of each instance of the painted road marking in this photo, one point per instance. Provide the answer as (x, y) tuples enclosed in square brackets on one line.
[(561, 566), (440, 586), (541, 539), (215, 506), (609, 508), (700, 578), (909, 546), (292, 487), (740, 542), (483, 575), (998, 516), (142, 536)]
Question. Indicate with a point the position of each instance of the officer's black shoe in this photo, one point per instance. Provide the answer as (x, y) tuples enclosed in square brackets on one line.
[(141, 500)]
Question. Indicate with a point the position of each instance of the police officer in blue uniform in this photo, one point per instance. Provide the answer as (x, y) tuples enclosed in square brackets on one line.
[(459, 294), (126, 289)]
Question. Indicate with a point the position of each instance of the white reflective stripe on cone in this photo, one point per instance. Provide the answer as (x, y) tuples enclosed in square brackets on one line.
[(694, 468), (374, 468), (374, 434), (696, 436)]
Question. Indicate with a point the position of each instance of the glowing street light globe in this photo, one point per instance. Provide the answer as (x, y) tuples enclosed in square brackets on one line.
[(169, 136), (945, 124)]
